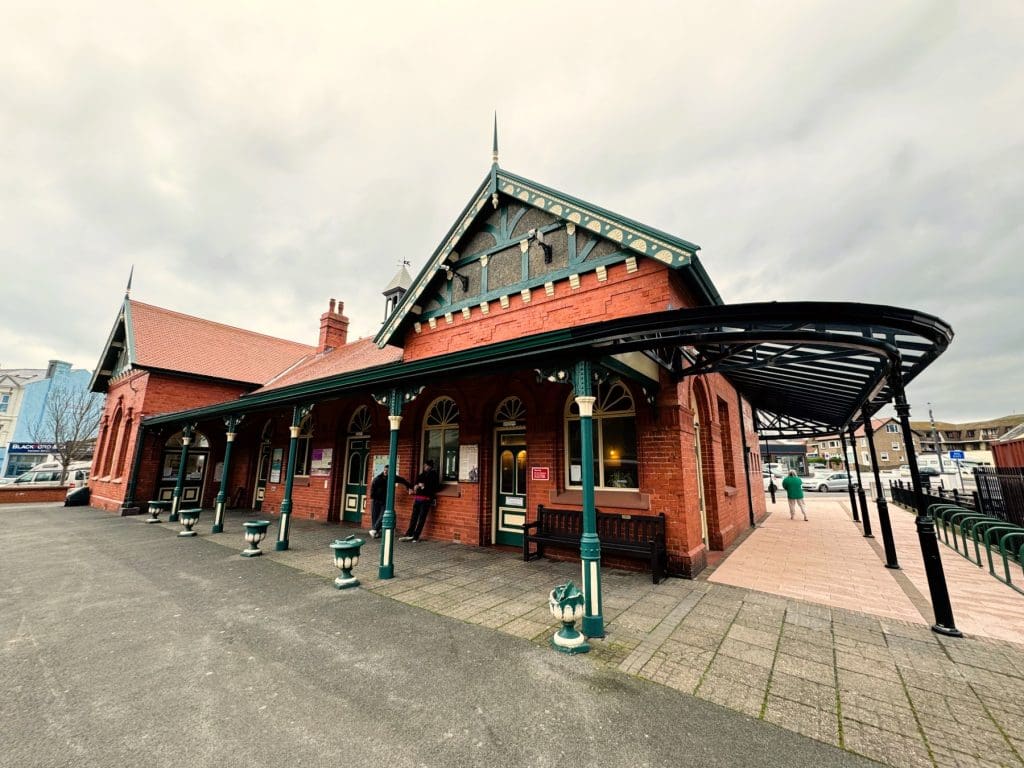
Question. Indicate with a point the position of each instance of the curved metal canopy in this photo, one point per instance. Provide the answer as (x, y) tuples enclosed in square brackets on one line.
[(808, 368)]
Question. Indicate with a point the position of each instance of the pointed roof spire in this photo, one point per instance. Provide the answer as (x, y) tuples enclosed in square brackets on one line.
[(128, 288), (494, 152)]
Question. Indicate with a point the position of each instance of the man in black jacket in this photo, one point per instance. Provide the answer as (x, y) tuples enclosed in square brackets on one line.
[(379, 497), (425, 489)]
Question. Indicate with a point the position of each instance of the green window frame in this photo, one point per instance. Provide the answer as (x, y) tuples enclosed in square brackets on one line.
[(441, 438), (616, 454)]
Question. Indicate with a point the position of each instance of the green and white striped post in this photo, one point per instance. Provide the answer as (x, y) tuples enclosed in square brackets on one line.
[(590, 545), (231, 422), (386, 569), (186, 438), (289, 479)]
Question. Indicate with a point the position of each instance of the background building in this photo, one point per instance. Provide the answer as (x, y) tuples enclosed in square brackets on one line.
[(30, 440), (974, 438)]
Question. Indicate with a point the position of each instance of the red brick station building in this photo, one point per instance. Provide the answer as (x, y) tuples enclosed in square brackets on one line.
[(538, 318)]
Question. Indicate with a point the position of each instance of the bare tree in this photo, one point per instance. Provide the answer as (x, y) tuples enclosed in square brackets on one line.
[(69, 421)]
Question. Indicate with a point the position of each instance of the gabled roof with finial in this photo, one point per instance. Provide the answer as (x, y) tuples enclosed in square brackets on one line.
[(639, 239)]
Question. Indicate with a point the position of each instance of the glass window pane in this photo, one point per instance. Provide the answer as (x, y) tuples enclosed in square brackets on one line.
[(506, 485), (432, 447), (620, 454), (576, 455), (450, 471), (521, 472)]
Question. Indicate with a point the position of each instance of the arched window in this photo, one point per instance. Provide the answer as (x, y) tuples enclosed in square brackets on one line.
[(112, 433), (441, 438), (510, 412), (268, 431), (122, 451), (615, 451), (361, 422), (302, 446)]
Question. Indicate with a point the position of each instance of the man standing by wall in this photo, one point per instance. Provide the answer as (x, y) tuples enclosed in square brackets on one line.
[(425, 490)]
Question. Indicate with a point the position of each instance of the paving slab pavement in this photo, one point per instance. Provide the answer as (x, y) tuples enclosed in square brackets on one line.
[(883, 687), (125, 645)]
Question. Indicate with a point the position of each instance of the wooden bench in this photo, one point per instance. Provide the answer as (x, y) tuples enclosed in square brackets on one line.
[(639, 537)]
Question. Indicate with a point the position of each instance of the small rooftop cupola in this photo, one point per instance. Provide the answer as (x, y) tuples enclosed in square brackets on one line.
[(396, 289), (333, 328)]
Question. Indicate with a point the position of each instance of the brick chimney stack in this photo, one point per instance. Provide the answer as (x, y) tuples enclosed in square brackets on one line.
[(333, 328)]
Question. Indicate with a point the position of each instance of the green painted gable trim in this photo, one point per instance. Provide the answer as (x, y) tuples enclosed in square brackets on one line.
[(122, 331), (634, 237), (642, 239)]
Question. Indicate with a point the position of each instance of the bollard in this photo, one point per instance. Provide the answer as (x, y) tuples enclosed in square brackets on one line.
[(255, 532), (188, 518), (567, 605), (346, 557)]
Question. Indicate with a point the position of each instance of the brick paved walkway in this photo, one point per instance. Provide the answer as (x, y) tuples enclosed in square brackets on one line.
[(883, 686)]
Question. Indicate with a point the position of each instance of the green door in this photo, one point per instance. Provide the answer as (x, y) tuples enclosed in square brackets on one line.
[(510, 493), (354, 498), (261, 478), (195, 474)]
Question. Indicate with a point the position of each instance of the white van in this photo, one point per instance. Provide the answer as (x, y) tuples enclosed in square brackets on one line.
[(48, 474)]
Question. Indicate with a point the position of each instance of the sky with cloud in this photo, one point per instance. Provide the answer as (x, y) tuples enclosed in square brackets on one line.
[(253, 160)]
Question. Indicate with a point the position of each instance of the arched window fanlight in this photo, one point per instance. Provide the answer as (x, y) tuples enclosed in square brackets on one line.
[(510, 412), (361, 422)]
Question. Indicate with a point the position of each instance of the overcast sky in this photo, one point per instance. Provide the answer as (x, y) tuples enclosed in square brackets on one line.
[(253, 160)]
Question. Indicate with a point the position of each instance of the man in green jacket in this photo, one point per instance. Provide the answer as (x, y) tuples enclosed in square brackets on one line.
[(794, 488)]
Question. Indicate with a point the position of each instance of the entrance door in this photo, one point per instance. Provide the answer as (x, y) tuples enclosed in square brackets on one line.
[(510, 487), (354, 498), (261, 478), (195, 474)]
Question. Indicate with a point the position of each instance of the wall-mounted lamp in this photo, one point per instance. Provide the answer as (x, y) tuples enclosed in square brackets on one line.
[(449, 273), (539, 235)]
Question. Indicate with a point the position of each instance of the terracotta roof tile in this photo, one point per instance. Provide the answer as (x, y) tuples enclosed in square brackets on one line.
[(176, 342), (360, 354)]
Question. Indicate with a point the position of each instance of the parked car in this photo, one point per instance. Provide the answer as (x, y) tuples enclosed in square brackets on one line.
[(49, 475), (928, 471), (834, 481)]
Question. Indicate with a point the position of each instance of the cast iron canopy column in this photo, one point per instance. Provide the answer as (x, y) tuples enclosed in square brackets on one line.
[(944, 624), (860, 488), (394, 400), (883, 508), (849, 478), (186, 438), (299, 412), (590, 545), (231, 423)]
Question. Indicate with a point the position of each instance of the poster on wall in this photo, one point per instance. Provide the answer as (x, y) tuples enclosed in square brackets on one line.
[(320, 461), (469, 469), (275, 465), (379, 461)]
